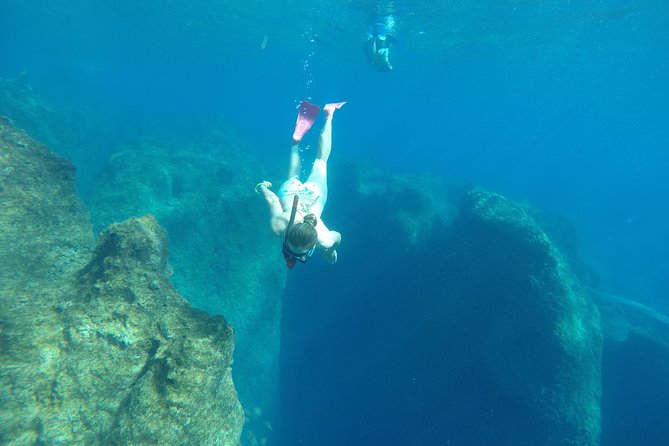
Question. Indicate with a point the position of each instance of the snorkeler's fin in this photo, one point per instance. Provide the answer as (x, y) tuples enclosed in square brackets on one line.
[(305, 119), (330, 108)]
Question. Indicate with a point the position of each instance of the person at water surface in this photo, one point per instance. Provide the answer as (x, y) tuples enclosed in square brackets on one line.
[(379, 40), (297, 207)]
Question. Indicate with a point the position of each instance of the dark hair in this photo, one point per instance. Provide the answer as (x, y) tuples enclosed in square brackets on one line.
[(304, 233)]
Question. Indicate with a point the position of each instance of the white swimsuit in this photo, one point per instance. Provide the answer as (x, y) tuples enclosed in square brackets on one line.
[(311, 197)]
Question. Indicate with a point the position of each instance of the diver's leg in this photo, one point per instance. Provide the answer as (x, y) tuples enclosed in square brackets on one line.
[(319, 171), (295, 162), (325, 138)]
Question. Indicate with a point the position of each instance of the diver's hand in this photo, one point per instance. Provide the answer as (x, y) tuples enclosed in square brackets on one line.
[(266, 184), (330, 256)]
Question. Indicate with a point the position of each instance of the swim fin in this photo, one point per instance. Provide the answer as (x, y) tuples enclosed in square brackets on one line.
[(305, 119), (330, 108)]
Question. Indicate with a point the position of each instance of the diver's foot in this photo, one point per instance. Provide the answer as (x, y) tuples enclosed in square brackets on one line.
[(329, 109)]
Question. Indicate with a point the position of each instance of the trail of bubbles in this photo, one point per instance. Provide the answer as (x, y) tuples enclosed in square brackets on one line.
[(307, 73), (310, 36)]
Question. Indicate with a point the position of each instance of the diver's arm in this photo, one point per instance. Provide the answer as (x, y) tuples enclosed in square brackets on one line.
[(274, 204), (329, 241), (333, 241), (270, 197), (330, 254), (280, 223)]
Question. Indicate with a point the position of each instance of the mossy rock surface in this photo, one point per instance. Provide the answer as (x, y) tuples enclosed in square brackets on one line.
[(538, 332), (97, 346), (473, 301), (225, 259)]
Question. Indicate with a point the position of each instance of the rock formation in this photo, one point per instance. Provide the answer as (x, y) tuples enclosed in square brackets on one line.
[(98, 348), (225, 259), (465, 322), (537, 331)]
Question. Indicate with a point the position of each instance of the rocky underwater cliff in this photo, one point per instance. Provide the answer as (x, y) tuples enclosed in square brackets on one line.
[(222, 259), (225, 259), (490, 309), (468, 324), (97, 346)]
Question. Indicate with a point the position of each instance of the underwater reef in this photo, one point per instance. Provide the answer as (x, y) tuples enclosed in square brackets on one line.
[(482, 304), (500, 329), (469, 325), (225, 259), (97, 346), (537, 331)]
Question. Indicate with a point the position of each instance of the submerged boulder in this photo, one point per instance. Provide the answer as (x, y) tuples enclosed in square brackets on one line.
[(457, 315), (524, 325), (43, 225), (98, 348), (537, 331), (225, 259)]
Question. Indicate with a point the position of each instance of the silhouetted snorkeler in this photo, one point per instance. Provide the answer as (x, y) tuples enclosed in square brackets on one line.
[(379, 40)]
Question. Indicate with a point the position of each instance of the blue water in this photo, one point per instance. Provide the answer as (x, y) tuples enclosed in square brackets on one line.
[(562, 104)]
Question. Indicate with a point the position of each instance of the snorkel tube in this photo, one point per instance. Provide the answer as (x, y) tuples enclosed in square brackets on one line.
[(290, 261)]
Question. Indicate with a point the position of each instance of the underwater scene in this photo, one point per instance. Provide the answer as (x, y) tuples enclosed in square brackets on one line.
[(334, 222)]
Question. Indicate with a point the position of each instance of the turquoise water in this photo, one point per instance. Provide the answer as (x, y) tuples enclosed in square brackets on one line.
[(555, 102), (562, 104)]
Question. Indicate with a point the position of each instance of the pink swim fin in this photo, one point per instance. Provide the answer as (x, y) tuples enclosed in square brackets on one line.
[(330, 108), (305, 119)]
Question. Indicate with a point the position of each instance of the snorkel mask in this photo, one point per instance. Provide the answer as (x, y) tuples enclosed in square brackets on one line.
[(292, 257)]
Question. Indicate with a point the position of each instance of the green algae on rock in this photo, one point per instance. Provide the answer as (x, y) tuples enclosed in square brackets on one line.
[(98, 349), (542, 341), (225, 259), (171, 362), (504, 339), (43, 225)]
